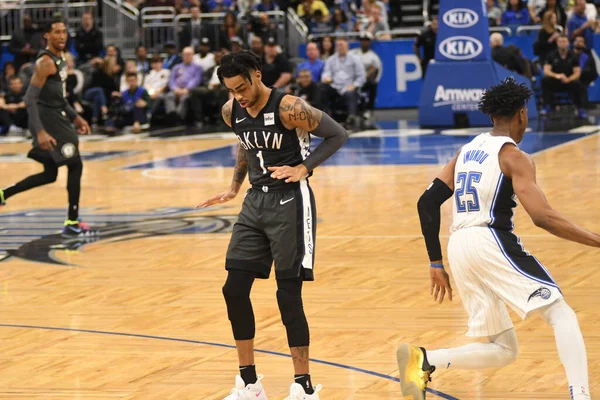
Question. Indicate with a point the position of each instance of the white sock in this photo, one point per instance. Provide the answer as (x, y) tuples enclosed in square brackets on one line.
[(502, 350), (570, 346)]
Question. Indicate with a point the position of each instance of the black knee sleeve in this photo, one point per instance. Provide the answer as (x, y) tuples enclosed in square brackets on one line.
[(289, 299), (239, 307)]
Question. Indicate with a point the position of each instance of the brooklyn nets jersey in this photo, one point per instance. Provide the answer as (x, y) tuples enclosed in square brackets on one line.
[(267, 142), (483, 196), (53, 93)]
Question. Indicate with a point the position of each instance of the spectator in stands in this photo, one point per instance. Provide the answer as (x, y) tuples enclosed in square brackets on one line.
[(88, 39), (257, 46), (546, 41), (102, 88), (25, 43), (494, 13), (327, 49), (426, 40), (75, 82), (314, 64), (207, 100), (339, 21), (266, 5), (130, 68), (113, 51), (308, 7), (589, 71), (535, 6), (142, 64), (229, 29), (8, 71), (367, 7), (318, 25), (216, 6), (579, 25), (516, 14), (376, 24), (523, 61), (504, 56), (561, 74), (374, 69), (237, 45), (193, 30), (13, 114), (172, 58), (134, 106), (263, 28), (276, 70), (307, 89), (157, 80), (344, 74), (184, 78), (180, 7), (205, 58), (591, 12), (557, 8)]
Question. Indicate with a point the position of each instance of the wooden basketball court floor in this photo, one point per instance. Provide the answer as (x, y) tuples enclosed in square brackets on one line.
[(139, 313)]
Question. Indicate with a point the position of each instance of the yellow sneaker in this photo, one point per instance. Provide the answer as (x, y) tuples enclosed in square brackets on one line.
[(415, 371)]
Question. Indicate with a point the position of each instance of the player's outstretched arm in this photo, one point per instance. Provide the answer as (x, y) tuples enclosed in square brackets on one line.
[(296, 113), (429, 204), (44, 67), (520, 168), (239, 173)]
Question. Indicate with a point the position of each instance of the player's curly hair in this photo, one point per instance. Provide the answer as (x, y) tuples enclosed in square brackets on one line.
[(504, 99), (241, 63)]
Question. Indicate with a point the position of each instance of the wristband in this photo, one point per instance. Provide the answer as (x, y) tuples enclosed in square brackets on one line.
[(434, 265)]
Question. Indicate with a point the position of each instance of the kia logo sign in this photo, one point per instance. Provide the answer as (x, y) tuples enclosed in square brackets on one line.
[(460, 18), (461, 48)]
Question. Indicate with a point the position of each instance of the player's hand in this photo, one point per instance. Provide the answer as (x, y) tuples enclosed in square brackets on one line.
[(218, 199), (440, 284), (45, 141), (290, 174), (83, 128)]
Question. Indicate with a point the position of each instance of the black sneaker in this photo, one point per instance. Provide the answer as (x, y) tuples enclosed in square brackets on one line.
[(78, 229)]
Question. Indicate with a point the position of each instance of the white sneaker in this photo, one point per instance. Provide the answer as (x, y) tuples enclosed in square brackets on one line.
[(253, 391), (297, 393)]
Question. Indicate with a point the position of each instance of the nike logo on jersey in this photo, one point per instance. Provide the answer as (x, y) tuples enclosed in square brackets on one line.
[(259, 393), (237, 121), (284, 202)]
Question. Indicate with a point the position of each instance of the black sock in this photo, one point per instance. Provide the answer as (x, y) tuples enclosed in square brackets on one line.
[(304, 381), (74, 189), (248, 373)]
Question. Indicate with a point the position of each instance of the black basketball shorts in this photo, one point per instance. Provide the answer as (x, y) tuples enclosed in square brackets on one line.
[(275, 225)]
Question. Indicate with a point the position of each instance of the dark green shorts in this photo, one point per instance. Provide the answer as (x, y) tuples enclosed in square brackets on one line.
[(275, 226)]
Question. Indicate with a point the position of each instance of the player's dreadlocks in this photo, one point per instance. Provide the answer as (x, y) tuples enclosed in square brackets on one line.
[(241, 63), (504, 99)]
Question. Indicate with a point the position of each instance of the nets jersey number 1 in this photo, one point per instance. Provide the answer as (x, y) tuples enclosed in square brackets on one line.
[(464, 187)]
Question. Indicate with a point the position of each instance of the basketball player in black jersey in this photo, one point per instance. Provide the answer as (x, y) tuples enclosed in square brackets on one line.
[(55, 141), (278, 217)]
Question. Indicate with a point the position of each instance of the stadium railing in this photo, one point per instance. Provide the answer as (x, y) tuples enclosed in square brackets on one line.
[(120, 26), (297, 33)]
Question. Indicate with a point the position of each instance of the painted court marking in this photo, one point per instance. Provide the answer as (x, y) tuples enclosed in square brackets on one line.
[(228, 346)]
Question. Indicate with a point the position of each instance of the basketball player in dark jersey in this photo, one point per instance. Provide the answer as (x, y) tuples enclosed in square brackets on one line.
[(55, 141), (278, 217)]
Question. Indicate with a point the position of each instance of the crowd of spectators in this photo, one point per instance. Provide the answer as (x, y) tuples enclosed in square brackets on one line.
[(180, 84)]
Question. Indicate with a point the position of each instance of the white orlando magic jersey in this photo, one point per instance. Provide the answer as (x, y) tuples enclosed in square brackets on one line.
[(482, 195)]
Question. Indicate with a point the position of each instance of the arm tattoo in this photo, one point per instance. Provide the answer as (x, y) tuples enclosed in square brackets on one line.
[(241, 166), (302, 111), (226, 112)]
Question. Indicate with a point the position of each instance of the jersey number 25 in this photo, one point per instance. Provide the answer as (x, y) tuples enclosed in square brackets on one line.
[(464, 186)]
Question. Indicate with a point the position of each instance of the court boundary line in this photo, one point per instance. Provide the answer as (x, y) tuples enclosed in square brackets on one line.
[(222, 345)]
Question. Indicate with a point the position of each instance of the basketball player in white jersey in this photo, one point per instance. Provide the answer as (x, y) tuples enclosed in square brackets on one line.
[(490, 266)]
